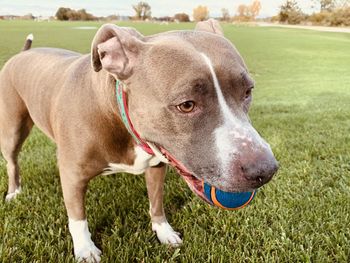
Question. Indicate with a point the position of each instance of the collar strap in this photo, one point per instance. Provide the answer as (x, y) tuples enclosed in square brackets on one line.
[(123, 108)]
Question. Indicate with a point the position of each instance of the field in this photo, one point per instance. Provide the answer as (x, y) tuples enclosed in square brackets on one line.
[(301, 107)]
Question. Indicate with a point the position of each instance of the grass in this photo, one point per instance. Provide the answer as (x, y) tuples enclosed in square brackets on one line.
[(301, 106)]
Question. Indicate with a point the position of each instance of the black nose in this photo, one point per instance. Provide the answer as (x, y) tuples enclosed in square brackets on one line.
[(260, 172)]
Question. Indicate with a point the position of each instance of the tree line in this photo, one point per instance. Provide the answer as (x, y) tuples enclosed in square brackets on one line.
[(330, 12), (143, 12)]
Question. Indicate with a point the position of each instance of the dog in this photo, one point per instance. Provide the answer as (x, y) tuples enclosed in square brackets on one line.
[(187, 96)]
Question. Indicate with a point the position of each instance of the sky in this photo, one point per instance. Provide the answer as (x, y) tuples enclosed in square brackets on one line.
[(123, 7)]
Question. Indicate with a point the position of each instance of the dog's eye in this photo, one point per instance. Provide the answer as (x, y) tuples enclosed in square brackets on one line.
[(248, 93), (186, 107), (247, 99)]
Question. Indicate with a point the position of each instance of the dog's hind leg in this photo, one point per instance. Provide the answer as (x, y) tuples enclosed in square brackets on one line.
[(15, 126)]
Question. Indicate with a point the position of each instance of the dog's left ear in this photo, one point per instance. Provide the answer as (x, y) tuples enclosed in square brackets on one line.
[(211, 25), (116, 49)]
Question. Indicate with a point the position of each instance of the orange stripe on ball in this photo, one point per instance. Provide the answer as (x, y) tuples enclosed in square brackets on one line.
[(217, 203)]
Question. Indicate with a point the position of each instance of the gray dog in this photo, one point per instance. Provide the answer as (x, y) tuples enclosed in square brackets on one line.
[(187, 95)]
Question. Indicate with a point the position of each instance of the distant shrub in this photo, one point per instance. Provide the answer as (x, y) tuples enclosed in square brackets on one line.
[(112, 18), (64, 13), (182, 17), (240, 19), (164, 19), (291, 13), (28, 17), (321, 18), (340, 17), (274, 19), (337, 17), (292, 18)]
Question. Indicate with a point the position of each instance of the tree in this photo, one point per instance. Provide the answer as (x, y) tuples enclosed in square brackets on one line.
[(325, 5), (62, 13), (225, 14), (254, 9), (85, 16), (290, 12), (249, 12), (330, 5), (200, 13), (182, 17), (243, 10), (142, 10)]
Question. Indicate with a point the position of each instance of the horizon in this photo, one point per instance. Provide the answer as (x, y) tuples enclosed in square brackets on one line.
[(159, 8)]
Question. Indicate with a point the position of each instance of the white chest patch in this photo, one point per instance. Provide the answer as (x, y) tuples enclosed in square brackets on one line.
[(142, 161)]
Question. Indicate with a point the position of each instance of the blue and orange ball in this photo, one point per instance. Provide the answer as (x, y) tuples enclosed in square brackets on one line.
[(227, 200)]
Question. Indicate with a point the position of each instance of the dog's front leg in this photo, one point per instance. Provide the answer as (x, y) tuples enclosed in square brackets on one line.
[(74, 187), (155, 185)]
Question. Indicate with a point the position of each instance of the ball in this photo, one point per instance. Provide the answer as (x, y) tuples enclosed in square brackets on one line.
[(227, 200)]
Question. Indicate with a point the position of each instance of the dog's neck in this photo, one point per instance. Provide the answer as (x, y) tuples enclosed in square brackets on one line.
[(105, 94)]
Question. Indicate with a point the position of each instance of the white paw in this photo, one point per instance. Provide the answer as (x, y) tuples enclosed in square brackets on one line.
[(166, 234), (11, 196), (88, 254), (84, 249)]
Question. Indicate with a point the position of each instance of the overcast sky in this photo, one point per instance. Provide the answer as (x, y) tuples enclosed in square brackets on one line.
[(123, 7)]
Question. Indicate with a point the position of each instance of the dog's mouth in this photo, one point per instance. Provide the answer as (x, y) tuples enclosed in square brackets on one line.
[(211, 195), (196, 185)]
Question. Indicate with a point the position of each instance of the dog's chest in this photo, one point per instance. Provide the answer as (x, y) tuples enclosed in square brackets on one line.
[(142, 161)]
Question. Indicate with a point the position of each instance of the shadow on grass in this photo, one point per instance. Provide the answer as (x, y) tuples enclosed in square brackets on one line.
[(118, 204)]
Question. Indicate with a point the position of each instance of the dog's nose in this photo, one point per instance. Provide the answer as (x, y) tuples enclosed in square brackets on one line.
[(260, 172)]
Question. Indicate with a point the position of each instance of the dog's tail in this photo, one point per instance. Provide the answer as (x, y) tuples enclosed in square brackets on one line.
[(28, 42)]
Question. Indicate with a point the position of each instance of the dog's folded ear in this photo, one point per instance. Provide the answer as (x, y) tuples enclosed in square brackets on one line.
[(116, 49), (211, 25)]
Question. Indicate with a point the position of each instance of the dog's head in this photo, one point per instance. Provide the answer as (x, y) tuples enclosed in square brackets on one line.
[(189, 92)]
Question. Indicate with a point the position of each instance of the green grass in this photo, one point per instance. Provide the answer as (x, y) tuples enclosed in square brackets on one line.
[(301, 106)]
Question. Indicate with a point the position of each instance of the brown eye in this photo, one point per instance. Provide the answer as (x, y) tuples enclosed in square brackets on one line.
[(248, 93), (186, 107)]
